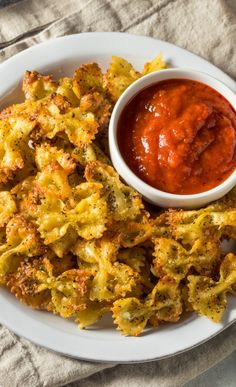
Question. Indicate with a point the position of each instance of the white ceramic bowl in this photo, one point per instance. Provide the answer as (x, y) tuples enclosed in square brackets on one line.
[(151, 194)]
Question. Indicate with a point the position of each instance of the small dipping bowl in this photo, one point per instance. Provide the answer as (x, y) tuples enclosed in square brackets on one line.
[(151, 194)]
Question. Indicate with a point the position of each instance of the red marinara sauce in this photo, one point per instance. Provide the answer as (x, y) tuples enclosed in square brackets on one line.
[(179, 136)]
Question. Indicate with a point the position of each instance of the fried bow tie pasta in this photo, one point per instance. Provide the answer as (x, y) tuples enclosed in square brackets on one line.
[(78, 242)]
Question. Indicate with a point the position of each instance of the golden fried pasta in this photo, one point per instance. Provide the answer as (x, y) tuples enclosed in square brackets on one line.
[(77, 241)]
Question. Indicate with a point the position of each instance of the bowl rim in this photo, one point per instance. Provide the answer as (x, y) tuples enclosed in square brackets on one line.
[(134, 89)]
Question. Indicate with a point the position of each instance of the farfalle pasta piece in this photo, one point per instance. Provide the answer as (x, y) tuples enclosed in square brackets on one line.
[(228, 266), (22, 237), (37, 284), (206, 255), (85, 213), (80, 127), (88, 87), (131, 315), (60, 102), (87, 79), (112, 279), (154, 65), (85, 189), (53, 180), (92, 152), (160, 226), (54, 115), (164, 303), (119, 76), (122, 201), (51, 219), (61, 264), (22, 189), (14, 134), (93, 312), (28, 196), (89, 217), (65, 88), (99, 104), (46, 154), (69, 292), (25, 286), (37, 86), (90, 252), (22, 110), (7, 207), (188, 226), (133, 231), (22, 240), (174, 261), (136, 258), (63, 245), (207, 296), (171, 259)]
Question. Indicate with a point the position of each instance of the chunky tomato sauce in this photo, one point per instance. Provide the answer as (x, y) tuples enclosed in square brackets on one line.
[(179, 136)]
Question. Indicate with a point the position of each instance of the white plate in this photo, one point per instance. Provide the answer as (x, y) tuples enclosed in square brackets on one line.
[(102, 342)]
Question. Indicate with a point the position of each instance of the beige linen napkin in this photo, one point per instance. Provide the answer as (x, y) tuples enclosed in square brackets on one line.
[(206, 27)]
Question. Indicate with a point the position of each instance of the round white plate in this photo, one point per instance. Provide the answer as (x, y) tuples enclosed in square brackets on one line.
[(102, 342)]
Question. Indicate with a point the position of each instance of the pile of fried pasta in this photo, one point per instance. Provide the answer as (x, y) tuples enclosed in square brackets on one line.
[(77, 241)]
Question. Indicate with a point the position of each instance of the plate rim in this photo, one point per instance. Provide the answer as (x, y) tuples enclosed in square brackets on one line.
[(116, 362)]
